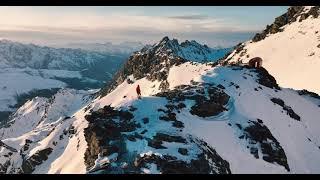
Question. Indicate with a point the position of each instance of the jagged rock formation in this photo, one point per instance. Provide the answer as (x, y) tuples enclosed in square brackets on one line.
[(290, 16), (155, 61)]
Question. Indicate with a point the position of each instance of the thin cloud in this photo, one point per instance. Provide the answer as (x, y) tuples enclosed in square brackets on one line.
[(189, 17)]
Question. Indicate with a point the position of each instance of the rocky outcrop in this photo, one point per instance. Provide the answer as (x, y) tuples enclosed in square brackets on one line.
[(28, 165), (153, 63), (308, 93), (109, 131), (204, 106), (290, 16), (103, 133), (264, 78), (286, 108), (260, 138), (207, 162)]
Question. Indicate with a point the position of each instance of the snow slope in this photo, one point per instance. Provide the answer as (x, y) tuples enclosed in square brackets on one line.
[(300, 140), (246, 104), (44, 123), (291, 56), (249, 100)]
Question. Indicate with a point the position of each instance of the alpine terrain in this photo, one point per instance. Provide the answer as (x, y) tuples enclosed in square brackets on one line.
[(28, 70), (201, 111)]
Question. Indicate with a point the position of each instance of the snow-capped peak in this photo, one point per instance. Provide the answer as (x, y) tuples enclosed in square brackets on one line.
[(189, 50), (155, 61)]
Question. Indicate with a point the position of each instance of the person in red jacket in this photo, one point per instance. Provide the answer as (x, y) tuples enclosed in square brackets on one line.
[(138, 91)]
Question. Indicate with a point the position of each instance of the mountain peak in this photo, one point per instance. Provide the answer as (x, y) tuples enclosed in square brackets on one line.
[(165, 39), (155, 61)]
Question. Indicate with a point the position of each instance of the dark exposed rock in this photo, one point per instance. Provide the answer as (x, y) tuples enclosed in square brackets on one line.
[(207, 109), (288, 109), (181, 105), (264, 78), (254, 152), (171, 165), (183, 151), (258, 133), (133, 137), (107, 112), (235, 85), (213, 106), (156, 143), (204, 106), (28, 165), (4, 167), (164, 85), (72, 130), (238, 125), (221, 87), (278, 101), (131, 108), (2, 144), (308, 93), (147, 63), (105, 126), (158, 139), (129, 81), (28, 141), (169, 138), (145, 120), (291, 113), (169, 117), (178, 124)]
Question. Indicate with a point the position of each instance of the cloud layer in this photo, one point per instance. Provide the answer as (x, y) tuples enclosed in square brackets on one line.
[(27, 24)]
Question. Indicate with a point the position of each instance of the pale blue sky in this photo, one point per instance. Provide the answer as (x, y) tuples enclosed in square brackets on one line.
[(213, 25)]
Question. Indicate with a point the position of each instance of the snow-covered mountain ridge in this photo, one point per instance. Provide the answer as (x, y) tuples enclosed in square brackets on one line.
[(155, 61), (214, 117), (189, 50), (291, 52)]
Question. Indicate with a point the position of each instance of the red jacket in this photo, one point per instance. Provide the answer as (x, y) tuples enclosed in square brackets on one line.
[(138, 90)]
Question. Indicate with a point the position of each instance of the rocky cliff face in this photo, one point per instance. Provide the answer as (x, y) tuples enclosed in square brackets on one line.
[(295, 13)]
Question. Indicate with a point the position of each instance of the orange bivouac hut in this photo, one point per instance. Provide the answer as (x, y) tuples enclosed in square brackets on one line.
[(255, 62)]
